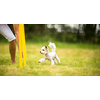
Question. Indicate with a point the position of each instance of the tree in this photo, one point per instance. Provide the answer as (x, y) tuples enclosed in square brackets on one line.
[(89, 30), (98, 34), (41, 27), (78, 33)]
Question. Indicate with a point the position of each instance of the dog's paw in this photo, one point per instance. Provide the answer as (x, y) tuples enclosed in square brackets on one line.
[(39, 62)]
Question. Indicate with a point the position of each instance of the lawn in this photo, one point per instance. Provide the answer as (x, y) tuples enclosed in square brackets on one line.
[(76, 60)]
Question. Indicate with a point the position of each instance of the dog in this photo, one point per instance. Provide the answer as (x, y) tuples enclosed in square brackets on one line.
[(49, 55)]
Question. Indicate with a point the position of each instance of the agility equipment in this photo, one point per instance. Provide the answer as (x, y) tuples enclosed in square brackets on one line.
[(22, 46)]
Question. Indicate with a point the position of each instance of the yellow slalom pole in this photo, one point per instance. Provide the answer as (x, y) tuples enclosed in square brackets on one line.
[(20, 47), (22, 44)]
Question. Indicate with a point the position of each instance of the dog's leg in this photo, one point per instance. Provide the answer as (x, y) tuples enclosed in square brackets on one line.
[(57, 59), (52, 62), (41, 60)]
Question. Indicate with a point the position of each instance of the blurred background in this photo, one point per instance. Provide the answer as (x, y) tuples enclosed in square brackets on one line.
[(73, 33)]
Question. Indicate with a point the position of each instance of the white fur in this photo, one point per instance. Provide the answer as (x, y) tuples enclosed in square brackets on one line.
[(49, 55), (53, 46)]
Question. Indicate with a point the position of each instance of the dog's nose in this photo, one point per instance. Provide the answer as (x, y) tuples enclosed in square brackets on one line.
[(40, 51)]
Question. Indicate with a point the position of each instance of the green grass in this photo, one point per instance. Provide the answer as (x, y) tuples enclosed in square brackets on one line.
[(76, 60)]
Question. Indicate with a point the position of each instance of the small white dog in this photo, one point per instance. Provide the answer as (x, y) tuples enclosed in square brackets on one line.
[(49, 55)]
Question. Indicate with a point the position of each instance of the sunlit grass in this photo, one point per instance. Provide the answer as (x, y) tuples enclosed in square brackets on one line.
[(76, 60)]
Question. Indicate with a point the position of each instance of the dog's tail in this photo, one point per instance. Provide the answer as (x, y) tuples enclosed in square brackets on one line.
[(53, 46), (54, 49)]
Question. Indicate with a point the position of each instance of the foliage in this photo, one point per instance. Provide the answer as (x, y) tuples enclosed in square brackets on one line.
[(84, 33), (89, 30)]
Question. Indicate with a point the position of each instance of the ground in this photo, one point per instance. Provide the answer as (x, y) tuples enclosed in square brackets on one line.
[(76, 60)]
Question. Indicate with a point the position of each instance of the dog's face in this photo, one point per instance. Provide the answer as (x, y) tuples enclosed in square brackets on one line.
[(44, 50)]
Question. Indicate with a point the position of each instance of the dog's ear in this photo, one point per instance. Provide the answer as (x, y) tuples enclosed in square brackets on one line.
[(46, 47)]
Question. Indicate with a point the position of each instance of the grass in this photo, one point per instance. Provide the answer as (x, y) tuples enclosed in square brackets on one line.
[(76, 60)]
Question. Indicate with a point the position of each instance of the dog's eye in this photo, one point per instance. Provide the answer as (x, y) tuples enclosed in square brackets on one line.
[(43, 49)]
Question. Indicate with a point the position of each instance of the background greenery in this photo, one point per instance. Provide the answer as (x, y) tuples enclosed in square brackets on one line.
[(79, 54), (84, 33)]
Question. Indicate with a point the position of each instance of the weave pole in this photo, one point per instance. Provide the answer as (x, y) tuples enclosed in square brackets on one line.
[(22, 45)]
